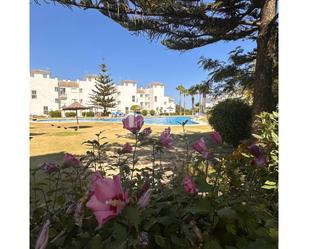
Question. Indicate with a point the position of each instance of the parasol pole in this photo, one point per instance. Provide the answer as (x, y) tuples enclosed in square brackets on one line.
[(77, 120)]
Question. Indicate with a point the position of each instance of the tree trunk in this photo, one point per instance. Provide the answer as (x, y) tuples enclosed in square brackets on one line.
[(200, 104), (262, 96), (192, 99), (184, 104), (179, 103), (77, 120), (204, 103)]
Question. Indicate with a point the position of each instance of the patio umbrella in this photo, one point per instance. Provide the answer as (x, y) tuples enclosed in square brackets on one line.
[(75, 107)]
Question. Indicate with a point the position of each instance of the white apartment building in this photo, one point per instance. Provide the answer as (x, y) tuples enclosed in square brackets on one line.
[(50, 94)]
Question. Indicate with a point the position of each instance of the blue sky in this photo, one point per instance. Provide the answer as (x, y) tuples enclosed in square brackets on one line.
[(73, 42)]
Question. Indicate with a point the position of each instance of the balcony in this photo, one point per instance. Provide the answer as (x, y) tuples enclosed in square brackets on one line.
[(62, 96)]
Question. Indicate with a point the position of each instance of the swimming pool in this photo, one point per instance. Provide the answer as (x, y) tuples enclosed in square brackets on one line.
[(147, 120)]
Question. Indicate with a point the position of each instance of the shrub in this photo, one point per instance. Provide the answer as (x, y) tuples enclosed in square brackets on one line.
[(70, 114), (134, 108), (152, 112), (55, 114), (88, 114), (188, 112), (232, 118), (244, 175), (144, 112)]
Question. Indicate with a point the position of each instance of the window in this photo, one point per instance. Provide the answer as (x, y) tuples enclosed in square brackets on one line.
[(56, 89), (45, 110), (56, 100), (133, 98), (74, 100), (44, 75), (33, 94), (62, 91), (155, 98), (81, 101), (164, 103), (142, 103), (141, 95), (118, 102), (80, 90), (118, 93)]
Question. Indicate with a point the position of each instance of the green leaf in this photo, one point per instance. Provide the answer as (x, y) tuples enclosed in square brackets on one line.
[(270, 185), (231, 228), (160, 241), (177, 241), (118, 244), (203, 186), (132, 214), (273, 233), (212, 245), (95, 242), (119, 232), (260, 243), (227, 213)]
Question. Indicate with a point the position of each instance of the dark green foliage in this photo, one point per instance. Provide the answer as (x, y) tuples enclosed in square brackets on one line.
[(232, 118), (144, 112), (191, 24), (88, 114), (70, 114), (234, 76), (152, 112), (104, 89), (55, 114)]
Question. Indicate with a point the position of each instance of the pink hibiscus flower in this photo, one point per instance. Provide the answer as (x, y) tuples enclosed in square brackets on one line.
[(133, 123), (127, 148), (166, 138), (200, 147), (216, 137), (108, 198), (189, 185), (70, 160)]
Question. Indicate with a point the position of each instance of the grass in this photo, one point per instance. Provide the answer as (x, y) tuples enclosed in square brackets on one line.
[(48, 139), (49, 142)]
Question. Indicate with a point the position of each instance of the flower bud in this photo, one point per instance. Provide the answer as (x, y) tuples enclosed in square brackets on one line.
[(42, 240)]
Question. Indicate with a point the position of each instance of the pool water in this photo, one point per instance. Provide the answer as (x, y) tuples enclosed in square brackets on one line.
[(147, 120)]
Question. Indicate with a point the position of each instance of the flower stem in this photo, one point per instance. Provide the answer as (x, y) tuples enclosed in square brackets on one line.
[(153, 164), (134, 155)]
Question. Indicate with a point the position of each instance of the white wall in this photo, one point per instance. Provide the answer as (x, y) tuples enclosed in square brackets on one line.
[(124, 100), (46, 95)]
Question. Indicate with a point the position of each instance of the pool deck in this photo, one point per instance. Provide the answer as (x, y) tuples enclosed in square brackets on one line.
[(103, 120)]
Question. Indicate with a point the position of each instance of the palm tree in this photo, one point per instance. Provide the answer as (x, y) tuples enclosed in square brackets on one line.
[(192, 91), (204, 89), (180, 88), (185, 93)]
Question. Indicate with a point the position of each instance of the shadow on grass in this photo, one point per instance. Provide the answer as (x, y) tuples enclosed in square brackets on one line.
[(80, 127), (32, 134)]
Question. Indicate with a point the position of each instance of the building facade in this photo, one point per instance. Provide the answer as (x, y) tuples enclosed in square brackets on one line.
[(50, 94)]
